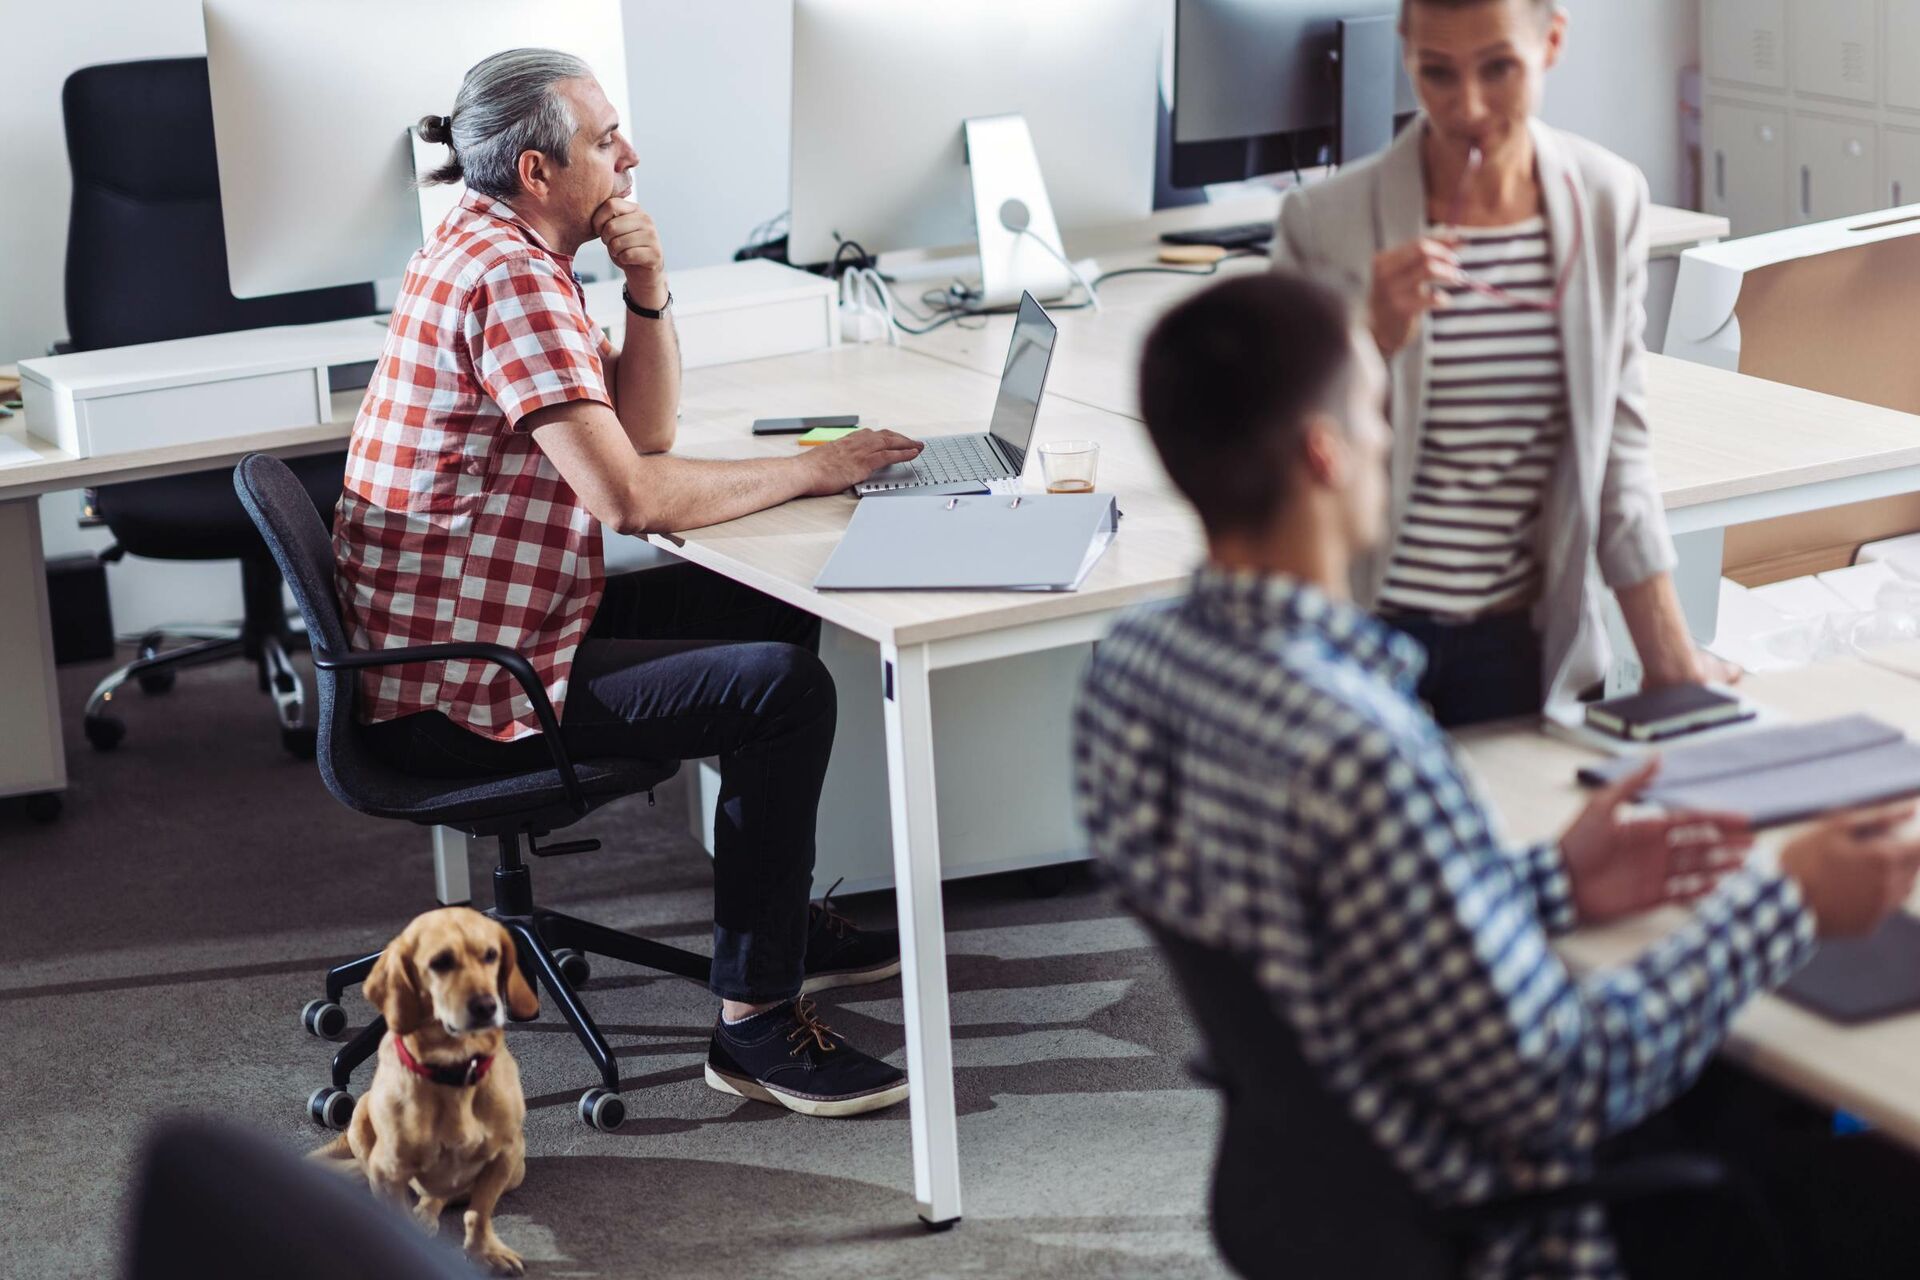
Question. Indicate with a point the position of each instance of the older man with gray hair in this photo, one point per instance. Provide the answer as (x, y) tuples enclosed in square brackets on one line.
[(500, 431)]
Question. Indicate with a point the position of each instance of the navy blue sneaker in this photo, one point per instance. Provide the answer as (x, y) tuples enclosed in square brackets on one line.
[(841, 954), (787, 1056)]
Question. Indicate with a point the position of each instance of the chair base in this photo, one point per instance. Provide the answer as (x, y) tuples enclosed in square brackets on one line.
[(542, 940), (264, 638)]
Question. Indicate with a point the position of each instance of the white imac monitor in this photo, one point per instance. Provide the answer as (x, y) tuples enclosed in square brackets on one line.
[(881, 88), (312, 103)]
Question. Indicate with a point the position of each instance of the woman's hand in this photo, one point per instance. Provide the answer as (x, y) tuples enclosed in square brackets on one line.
[(1407, 284)]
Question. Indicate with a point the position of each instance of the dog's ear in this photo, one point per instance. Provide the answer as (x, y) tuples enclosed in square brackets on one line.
[(521, 1002), (394, 988)]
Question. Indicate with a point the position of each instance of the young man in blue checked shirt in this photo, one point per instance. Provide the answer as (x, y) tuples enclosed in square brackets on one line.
[(1256, 774)]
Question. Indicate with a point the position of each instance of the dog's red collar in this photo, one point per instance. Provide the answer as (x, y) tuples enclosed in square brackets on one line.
[(472, 1071)]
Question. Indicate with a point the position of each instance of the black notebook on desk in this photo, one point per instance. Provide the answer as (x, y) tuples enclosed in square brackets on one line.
[(1666, 713), (1861, 979)]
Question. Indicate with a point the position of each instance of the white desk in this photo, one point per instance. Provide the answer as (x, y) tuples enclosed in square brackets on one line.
[(1872, 1070)]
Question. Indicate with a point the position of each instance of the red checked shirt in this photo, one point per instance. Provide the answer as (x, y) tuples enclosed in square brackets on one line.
[(453, 525)]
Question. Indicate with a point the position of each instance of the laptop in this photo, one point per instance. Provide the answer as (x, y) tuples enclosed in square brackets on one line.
[(1000, 453)]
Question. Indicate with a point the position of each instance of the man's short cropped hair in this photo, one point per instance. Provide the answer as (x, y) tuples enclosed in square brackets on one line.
[(1227, 381)]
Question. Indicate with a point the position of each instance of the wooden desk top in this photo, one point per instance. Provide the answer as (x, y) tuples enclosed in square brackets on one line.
[(782, 550), (1872, 1070)]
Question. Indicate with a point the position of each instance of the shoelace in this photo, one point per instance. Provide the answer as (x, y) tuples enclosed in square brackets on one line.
[(832, 921), (808, 1026)]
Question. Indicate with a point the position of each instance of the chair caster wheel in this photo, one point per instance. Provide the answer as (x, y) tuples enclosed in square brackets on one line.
[(299, 742), (104, 732), (330, 1108), (602, 1110), (44, 806), (156, 681), (574, 967), (324, 1018)]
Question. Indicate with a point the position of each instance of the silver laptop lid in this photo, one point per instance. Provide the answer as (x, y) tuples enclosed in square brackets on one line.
[(1028, 357)]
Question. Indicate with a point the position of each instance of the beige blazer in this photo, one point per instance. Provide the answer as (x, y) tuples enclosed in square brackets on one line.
[(1604, 525)]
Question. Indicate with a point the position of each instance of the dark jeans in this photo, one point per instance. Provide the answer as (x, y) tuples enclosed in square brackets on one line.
[(1487, 669), (1836, 1207), (682, 664)]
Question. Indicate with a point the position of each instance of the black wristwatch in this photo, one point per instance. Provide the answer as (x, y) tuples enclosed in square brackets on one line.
[(648, 312)]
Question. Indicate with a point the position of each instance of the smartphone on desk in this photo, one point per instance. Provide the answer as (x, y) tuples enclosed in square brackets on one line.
[(800, 426)]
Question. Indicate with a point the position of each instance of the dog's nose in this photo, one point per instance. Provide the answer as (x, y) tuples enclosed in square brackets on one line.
[(482, 1008)]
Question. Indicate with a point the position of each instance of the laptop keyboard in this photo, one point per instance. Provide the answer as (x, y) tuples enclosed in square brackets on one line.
[(950, 458)]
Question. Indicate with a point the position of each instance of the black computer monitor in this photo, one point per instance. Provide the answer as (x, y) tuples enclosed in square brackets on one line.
[(1265, 86)]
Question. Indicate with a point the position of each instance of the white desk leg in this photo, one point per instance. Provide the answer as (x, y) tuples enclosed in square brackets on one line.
[(1696, 579), (32, 760), (923, 938), (451, 883)]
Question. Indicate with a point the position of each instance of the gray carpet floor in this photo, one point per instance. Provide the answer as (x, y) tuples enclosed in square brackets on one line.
[(159, 939)]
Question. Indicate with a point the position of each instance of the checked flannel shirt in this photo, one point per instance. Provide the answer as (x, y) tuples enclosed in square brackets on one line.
[(1256, 776), (453, 525)]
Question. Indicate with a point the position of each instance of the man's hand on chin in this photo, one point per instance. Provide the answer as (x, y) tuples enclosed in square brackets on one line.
[(634, 245)]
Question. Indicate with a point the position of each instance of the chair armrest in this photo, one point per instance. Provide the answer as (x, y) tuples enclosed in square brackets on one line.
[(1642, 1178), (516, 665)]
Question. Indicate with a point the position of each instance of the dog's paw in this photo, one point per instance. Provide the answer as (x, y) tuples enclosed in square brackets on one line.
[(499, 1259)]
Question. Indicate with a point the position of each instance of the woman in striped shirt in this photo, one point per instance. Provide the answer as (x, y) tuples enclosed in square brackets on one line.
[(1502, 267)]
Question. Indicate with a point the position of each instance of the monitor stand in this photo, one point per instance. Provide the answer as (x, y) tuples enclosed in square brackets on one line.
[(1020, 246)]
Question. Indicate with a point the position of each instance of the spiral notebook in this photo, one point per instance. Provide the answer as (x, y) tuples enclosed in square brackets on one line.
[(985, 542)]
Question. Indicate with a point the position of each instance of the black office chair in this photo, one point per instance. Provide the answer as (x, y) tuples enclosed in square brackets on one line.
[(1301, 1190), (215, 1202), (510, 807), (147, 261)]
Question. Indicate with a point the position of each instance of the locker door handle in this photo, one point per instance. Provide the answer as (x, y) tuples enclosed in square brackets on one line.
[(1896, 192), (1806, 191), (1720, 174)]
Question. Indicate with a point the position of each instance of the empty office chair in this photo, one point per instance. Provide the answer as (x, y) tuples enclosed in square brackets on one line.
[(1301, 1190), (512, 808), (214, 1202), (147, 261)]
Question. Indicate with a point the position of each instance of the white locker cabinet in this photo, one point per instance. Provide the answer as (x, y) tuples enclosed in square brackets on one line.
[(1746, 42), (1900, 166), (1901, 51), (1833, 170), (1746, 162), (1834, 44)]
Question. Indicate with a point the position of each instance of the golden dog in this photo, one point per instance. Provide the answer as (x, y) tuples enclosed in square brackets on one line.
[(444, 1114)]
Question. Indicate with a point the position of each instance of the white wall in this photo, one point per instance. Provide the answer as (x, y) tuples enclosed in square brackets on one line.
[(709, 84), (1619, 83)]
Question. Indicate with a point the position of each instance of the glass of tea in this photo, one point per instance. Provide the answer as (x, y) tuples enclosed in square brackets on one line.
[(1070, 466)]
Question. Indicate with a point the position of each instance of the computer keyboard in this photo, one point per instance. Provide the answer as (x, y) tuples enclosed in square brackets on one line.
[(1241, 235), (950, 458)]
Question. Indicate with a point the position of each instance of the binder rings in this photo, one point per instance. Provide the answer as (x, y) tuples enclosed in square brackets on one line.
[(987, 542)]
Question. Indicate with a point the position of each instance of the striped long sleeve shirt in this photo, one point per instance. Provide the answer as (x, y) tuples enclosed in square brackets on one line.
[(1493, 429), (1254, 774)]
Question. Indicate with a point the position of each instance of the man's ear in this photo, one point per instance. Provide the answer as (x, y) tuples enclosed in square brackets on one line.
[(536, 172), (394, 989), (1324, 454), (521, 1002)]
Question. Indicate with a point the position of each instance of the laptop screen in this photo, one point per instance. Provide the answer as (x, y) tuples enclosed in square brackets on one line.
[(1023, 379)]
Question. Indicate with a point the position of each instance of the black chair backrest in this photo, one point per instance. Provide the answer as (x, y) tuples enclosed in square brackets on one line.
[(146, 249), (1300, 1189), (283, 512), (215, 1200)]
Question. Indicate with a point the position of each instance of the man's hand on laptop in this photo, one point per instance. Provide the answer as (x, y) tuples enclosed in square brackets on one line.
[(1855, 869), (845, 462)]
